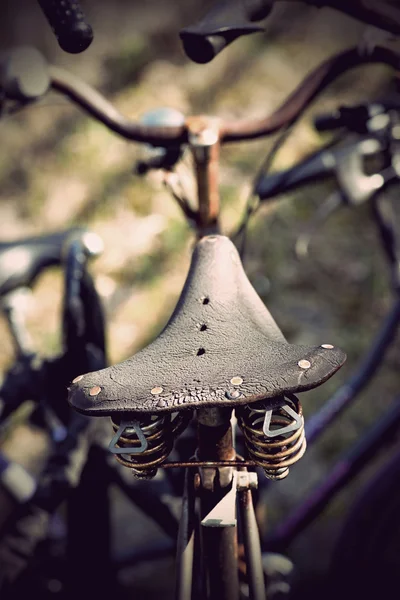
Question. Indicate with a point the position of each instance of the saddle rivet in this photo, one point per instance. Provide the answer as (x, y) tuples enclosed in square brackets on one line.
[(162, 403), (95, 391), (327, 346), (304, 364), (236, 381), (233, 394), (79, 378), (156, 390)]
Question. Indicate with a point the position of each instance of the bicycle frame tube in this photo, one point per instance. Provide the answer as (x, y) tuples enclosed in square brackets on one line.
[(204, 144), (217, 490), (345, 470), (363, 452), (219, 543), (185, 548)]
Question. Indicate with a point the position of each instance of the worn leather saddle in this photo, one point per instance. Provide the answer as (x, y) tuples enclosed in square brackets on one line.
[(221, 347)]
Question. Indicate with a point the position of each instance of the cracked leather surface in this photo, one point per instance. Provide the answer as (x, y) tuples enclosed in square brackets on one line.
[(219, 330)]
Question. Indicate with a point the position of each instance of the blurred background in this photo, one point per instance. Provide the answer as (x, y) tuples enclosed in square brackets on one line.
[(58, 168)]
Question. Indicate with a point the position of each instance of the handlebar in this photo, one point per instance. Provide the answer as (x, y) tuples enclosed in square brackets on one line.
[(229, 131), (16, 82)]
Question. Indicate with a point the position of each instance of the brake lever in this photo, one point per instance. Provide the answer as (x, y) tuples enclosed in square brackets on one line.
[(225, 22), (355, 185)]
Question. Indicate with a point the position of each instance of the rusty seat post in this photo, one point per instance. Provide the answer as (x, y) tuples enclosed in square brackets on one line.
[(217, 488), (204, 142)]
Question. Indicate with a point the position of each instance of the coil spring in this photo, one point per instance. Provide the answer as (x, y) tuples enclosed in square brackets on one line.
[(284, 424), (154, 433)]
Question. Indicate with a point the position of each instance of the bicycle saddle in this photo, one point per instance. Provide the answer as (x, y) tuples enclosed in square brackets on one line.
[(221, 346), (21, 261)]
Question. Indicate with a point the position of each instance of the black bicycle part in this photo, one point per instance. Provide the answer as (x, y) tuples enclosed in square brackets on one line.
[(379, 13), (384, 210), (365, 561), (68, 22), (352, 118), (28, 527), (22, 261), (318, 166), (88, 552), (370, 364), (45, 382), (380, 435), (224, 23), (373, 122), (82, 314)]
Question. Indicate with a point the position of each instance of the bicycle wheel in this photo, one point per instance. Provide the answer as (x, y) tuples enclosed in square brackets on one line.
[(366, 559)]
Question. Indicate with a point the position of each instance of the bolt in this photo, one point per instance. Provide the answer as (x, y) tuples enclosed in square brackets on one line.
[(236, 380), (246, 481), (253, 481), (95, 391), (156, 390), (233, 395), (79, 378), (304, 364), (327, 346)]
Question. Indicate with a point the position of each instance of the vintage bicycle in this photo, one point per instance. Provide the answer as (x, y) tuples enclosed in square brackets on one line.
[(232, 373)]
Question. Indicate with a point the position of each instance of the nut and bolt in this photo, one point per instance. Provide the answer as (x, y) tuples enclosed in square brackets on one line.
[(246, 481)]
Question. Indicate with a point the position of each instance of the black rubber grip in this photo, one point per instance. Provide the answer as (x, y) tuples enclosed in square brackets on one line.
[(311, 169), (224, 23), (67, 20), (353, 118)]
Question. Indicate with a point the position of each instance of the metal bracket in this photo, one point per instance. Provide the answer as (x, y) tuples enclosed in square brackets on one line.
[(246, 480), (296, 424), (224, 512), (131, 450)]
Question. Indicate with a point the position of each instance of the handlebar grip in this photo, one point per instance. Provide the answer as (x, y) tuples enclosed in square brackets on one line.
[(311, 169), (328, 121), (67, 20), (225, 22), (354, 118)]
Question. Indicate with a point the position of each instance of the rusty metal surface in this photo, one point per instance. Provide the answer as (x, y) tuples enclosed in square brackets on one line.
[(99, 108), (251, 540), (219, 545), (275, 457), (204, 144), (185, 547), (208, 464)]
